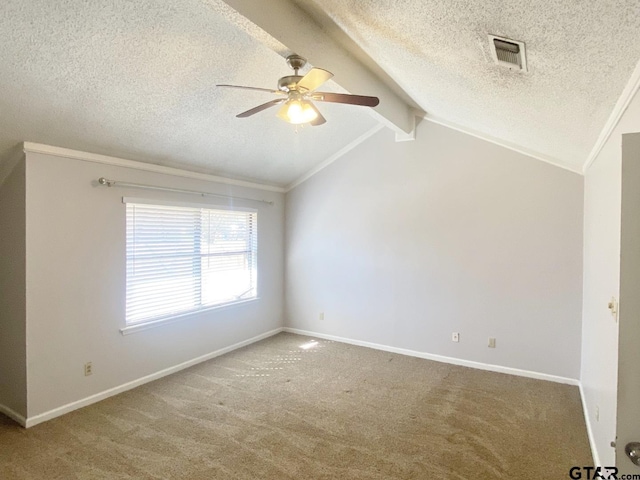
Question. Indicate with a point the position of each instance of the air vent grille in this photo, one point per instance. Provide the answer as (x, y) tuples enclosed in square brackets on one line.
[(508, 53)]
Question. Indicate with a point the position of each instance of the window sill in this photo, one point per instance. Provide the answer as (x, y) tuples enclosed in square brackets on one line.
[(138, 327)]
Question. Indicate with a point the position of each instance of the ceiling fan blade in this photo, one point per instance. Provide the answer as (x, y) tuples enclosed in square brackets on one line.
[(319, 120), (260, 108), (346, 98), (253, 88), (314, 78)]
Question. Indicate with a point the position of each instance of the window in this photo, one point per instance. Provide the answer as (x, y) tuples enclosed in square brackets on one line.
[(182, 259)]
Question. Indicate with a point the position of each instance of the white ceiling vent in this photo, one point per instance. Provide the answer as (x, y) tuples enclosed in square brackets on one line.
[(508, 53)]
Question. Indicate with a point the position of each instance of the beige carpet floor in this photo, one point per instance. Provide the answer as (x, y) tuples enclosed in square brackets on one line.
[(277, 411)]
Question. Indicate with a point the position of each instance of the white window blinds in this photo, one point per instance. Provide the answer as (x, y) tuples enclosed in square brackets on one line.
[(183, 259)]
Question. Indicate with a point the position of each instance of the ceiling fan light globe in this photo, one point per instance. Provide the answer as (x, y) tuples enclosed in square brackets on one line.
[(309, 113), (295, 112), (299, 112)]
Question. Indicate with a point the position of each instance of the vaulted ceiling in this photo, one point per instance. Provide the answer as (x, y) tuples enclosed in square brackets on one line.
[(137, 79)]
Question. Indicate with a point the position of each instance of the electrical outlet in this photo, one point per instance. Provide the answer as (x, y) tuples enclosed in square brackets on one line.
[(455, 337), (492, 342), (321, 316), (88, 369)]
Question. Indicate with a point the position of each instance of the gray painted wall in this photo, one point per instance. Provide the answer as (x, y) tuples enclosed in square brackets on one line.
[(602, 212), (402, 244), (76, 283), (13, 355)]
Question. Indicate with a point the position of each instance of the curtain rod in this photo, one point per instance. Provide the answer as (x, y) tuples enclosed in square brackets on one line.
[(117, 183)]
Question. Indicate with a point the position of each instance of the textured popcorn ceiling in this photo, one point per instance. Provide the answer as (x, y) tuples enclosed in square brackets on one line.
[(581, 54), (136, 79)]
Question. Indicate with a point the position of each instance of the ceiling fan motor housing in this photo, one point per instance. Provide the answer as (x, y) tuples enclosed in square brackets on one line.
[(289, 82), (299, 90), (296, 62)]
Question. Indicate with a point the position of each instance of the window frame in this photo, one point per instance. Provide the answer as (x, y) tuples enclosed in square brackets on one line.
[(183, 315)]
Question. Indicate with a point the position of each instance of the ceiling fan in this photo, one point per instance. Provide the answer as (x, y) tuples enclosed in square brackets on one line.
[(297, 91)]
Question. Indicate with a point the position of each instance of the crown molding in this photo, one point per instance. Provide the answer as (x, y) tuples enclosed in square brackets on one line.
[(511, 146), (445, 123), (629, 91), (29, 147), (350, 146)]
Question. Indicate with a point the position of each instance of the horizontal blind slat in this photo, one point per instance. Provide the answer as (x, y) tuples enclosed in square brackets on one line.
[(183, 259)]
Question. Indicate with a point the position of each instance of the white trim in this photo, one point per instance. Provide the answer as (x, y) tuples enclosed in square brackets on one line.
[(410, 136), (170, 203), (511, 146), (620, 107), (587, 421), (146, 325), (439, 121), (440, 358), (350, 146), (9, 412), (147, 167), (56, 412)]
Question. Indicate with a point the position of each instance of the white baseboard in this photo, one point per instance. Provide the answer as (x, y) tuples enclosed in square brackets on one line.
[(9, 412), (441, 358), (587, 421), (56, 412)]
